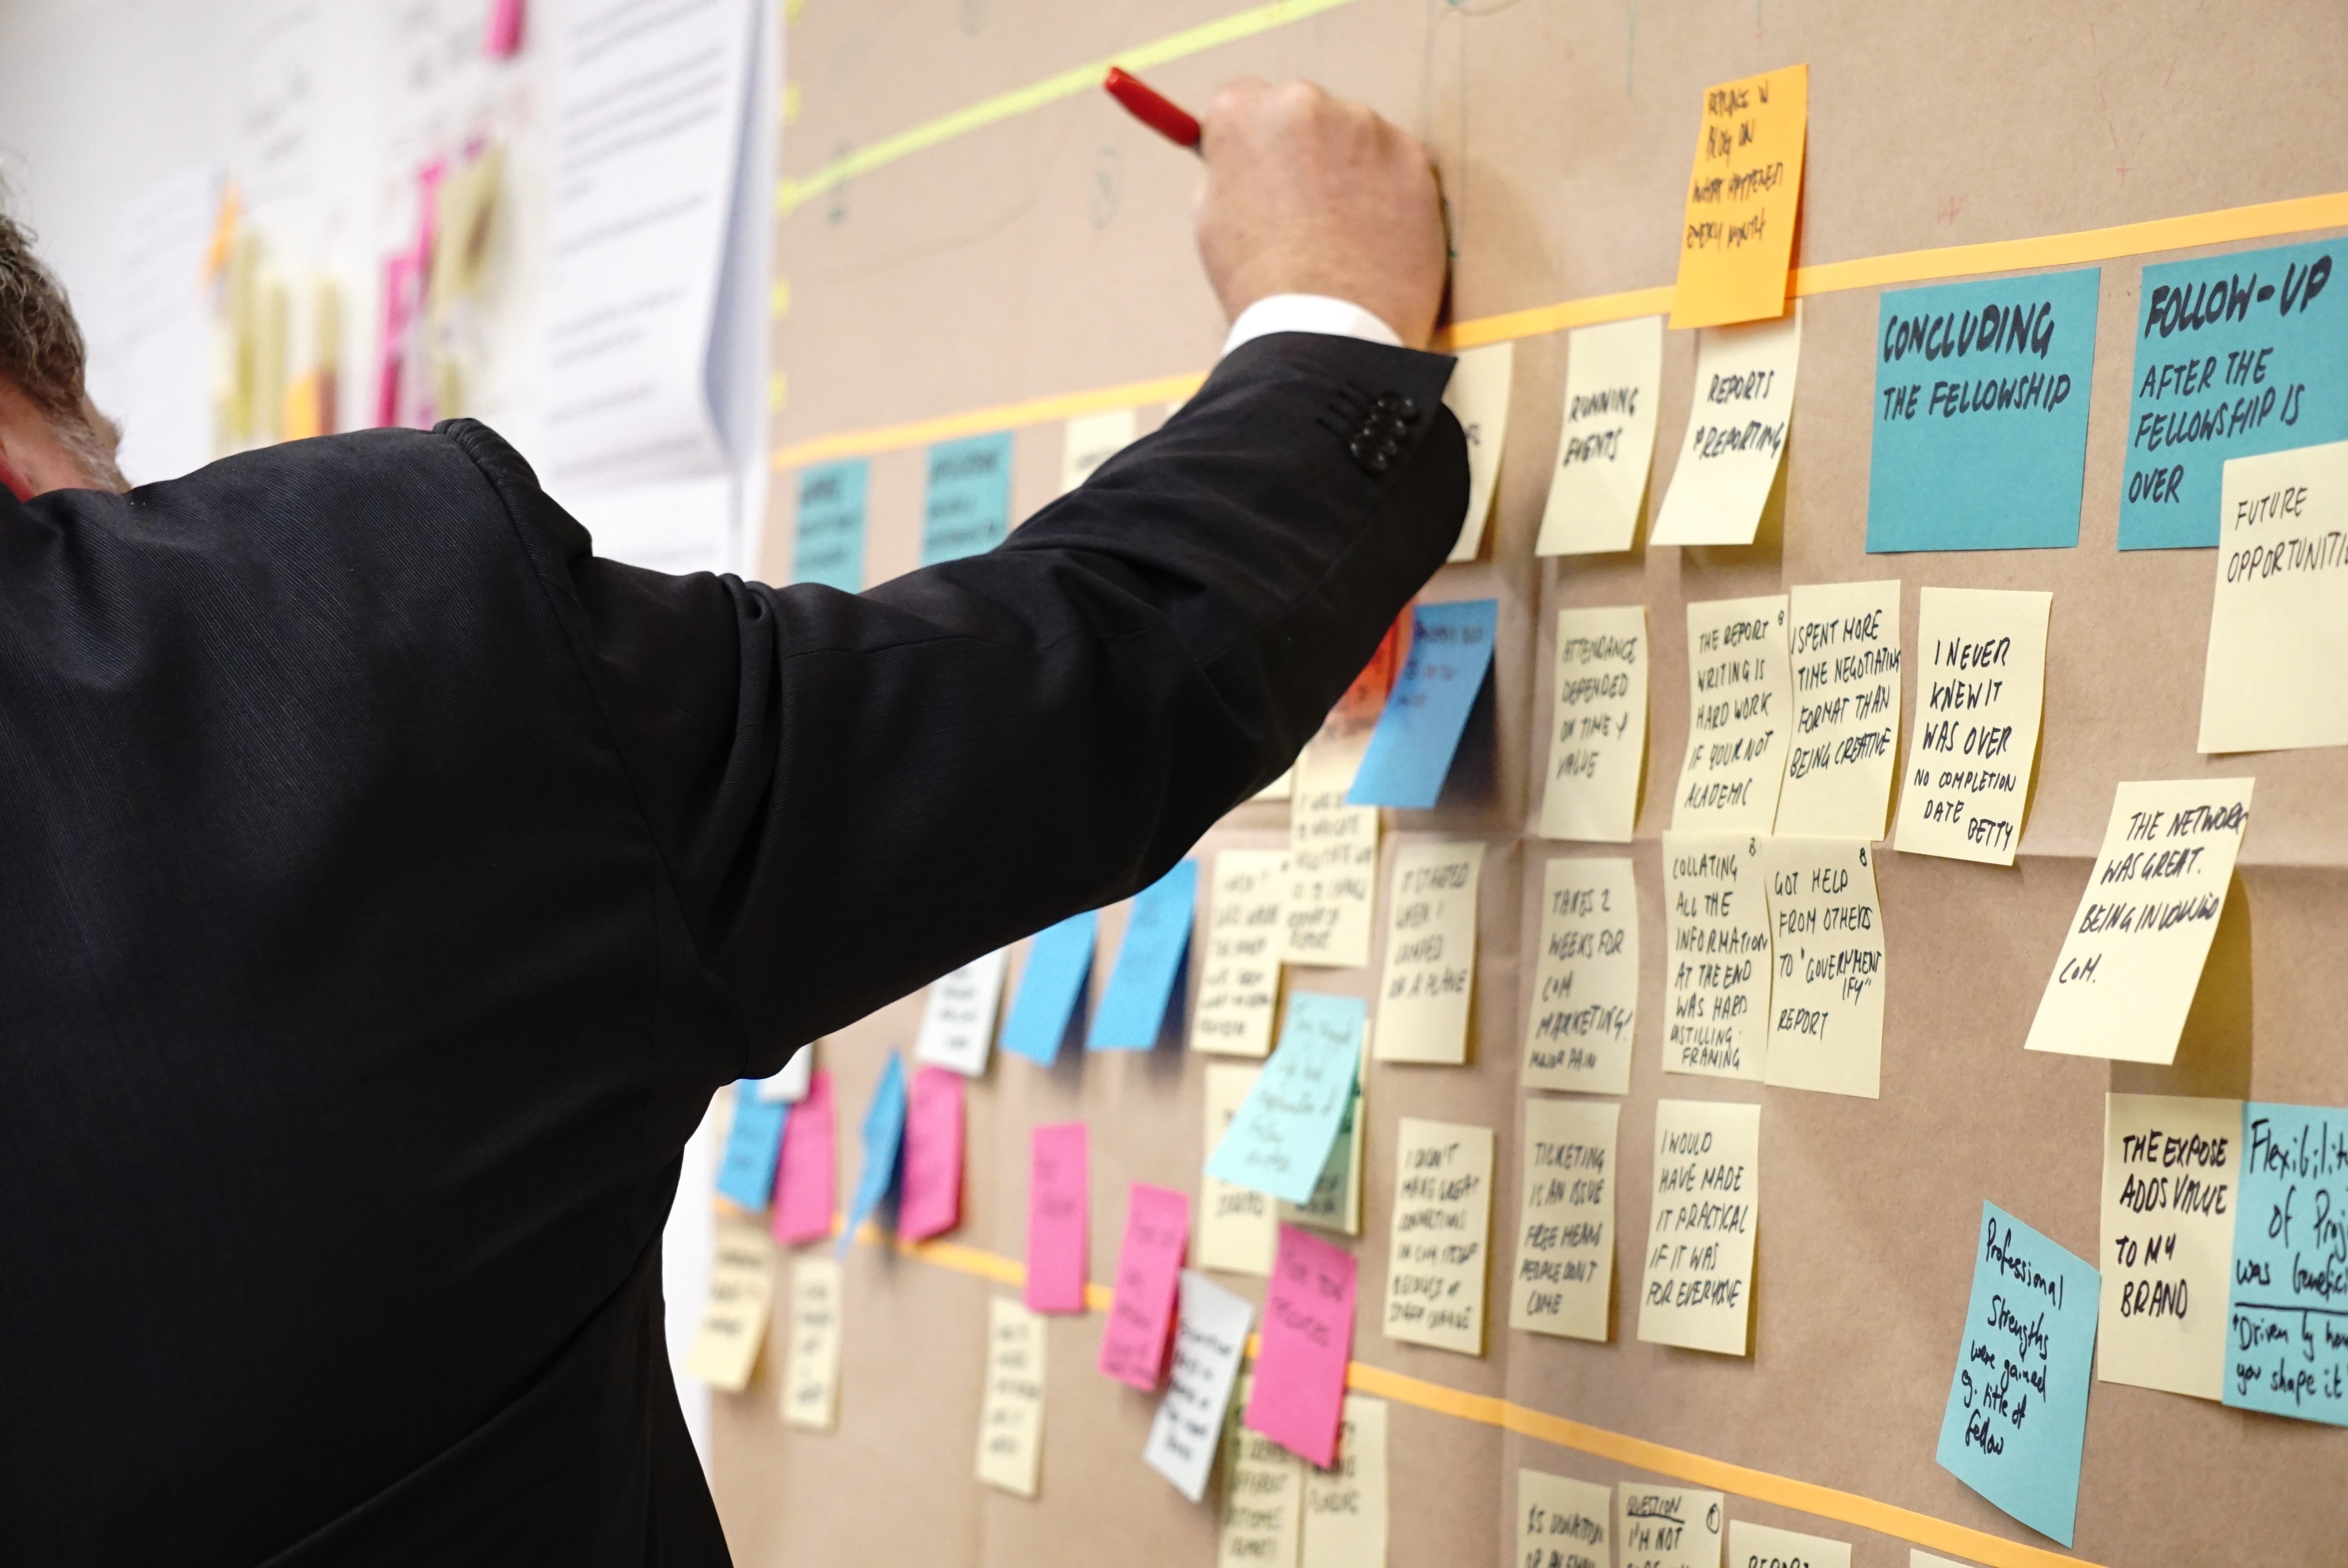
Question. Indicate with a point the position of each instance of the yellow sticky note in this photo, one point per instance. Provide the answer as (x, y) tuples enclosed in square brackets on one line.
[(1668, 1526), (811, 1374), (1237, 1230), (1735, 434), (1332, 867), (1980, 686), (734, 1322), (1280, 788), (1479, 395), (1737, 242), (1092, 439), (1238, 984), (1701, 1227), (1765, 1546), (1562, 1523), (1336, 1200), (1345, 1507), (1442, 1229), (1613, 377), (1585, 989), (1842, 640), (2279, 626), (2170, 1170), (1740, 715), (1011, 1416), (1717, 960), (1564, 1276), (2132, 956), (1430, 967), (1263, 1495), (1826, 982), (1598, 724)]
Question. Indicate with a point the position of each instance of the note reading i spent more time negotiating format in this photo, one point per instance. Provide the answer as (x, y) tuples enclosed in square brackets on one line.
[(1598, 724), (1442, 1230), (1564, 1276), (2279, 624), (2132, 956), (1740, 714), (1716, 974), (2169, 1204), (1843, 641), (1477, 394), (1735, 434), (1826, 983), (1238, 985), (1744, 189), (1430, 958), (1980, 686), (1585, 989), (1613, 377), (1702, 1219)]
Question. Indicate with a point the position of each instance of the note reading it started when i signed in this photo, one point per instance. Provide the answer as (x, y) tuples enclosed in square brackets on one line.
[(1980, 686), (1735, 434), (1430, 958), (1585, 989), (1436, 1258), (1740, 713), (1598, 724), (1701, 1222)]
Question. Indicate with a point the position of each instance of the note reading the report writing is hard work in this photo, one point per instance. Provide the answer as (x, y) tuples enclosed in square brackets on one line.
[(1562, 1523), (930, 1203), (2287, 1316), (807, 1175), (1736, 439), (1737, 243), (1345, 1506), (1740, 714), (734, 1319), (1149, 1262), (1613, 377), (2235, 355), (1336, 1200), (1668, 1526), (1059, 961), (1236, 1227), (1448, 662), (1133, 1006), (1090, 440), (828, 538), (1843, 644), (1763, 1546), (2170, 1165), (1442, 1234), (1430, 959), (2133, 956), (1263, 1498), (2017, 1414), (1718, 959), (1585, 989), (966, 510), (958, 1017), (1980, 686), (1238, 985), (1477, 394), (2279, 624), (884, 1134), (1598, 724), (1564, 1278), (1209, 1332), (1981, 414), (1701, 1224), (1281, 1138), (1826, 984), (1308, 1339), (754, 1142), (1011, 1415), (1059, 1198), (811, 1359)]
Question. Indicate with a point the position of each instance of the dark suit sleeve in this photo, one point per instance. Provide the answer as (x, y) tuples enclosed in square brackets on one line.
[(853, 794)]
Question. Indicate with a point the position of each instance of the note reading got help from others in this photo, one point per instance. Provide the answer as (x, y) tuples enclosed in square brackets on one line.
[(2133, 956), (1238, 985), (1562, 1523), (1598, 724), (733, 1320), (1430, 959), (1477, 394), (1701, 1222), (1735, 434), (2279, 624), (1740, 714), (1737, 243), (958, 1017), (1843, 641), (1308, 1339), (2287, 1317), (1442, 1232), (1091, 440), (1345, 1506), (1281, 1137), (812, 1360), (1211, 1331), (1716, 977), (1762, 1546), (1980, 686), (1826, 985), (1668, 1526), (1236, 1225), (1614, 376), (2170, 1169), (1564, 1277), (1585, 989), (1011, 1415)]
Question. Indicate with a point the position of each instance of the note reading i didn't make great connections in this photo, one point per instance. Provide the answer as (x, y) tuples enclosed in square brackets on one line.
[(2287, 1316), (1843, 642), (1740, 713), (2279, 624), (1281, 1138), (1598, 724), (1735, 434), (2170, 1170), (1716, 985), (1585, 990), (1613, 377), (1702, 1221), (1442, 1232), (1825, 989), (1564, 1278), (1737, 243), (1430, 958), (1980, 686), (1238, 985)]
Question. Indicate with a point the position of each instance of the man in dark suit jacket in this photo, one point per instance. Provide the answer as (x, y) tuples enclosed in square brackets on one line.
[(386, 882)]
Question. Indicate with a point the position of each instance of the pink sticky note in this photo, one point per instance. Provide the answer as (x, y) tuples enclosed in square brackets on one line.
[(1059, 1166), (930, 1203), (809, 1167), (1149, 1268), (503, 38), (1308, 1337)]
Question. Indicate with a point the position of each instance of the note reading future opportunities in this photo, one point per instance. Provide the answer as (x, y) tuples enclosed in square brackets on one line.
[(2279, 624)]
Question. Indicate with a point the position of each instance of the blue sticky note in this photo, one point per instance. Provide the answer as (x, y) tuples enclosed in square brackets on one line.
[(746, 1174), (1157, 938), (1981, 414), (1058, 962), (967, 510), (2287, 1312), (2017, 1416), (884, 1130), (1280, 1139), (2235, 355), (828, 546), (1410, 750)]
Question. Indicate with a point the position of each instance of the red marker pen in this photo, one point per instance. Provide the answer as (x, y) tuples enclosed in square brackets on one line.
[(1159, 113)]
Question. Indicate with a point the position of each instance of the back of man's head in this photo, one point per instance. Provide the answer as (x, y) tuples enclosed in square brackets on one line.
[(41, 361)]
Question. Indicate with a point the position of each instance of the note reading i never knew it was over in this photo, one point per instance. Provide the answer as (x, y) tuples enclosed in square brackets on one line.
[(1843, 640), (1737, 243), (1598, 724), (1564, 1278), (1740, 713), (1980, 686), (1702, 1221), (1716, 985), (1735, 434), (1585, 989), (1614, 376)]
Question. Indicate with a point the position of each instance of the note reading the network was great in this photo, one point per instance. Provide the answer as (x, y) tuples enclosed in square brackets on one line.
[(1442, 1232), (1430, 959), (1090, 440), (958, 1017), (1011, 1415), (1141, 1314), (2278, 625), (1740, 712), (733, 1319), (1735, 434), (1236, 1225), (1737, 243), (1308, 1339), (1133, 1006), (2287, 1315), (1059, 961), (966, 510), (811, 1366), (2130, 962), (1843, 641), (1209, 1332), (828, 537), (1263, 1498), (1613, 377), (1716, 979), (1753, 1545), (1280, 1139), (930, 1203), (1585, 989), (1598, 724), (1980, 686), (1238, 985), (1445, 669), (1706, 1205), (1564, 1278), (1477, 394), (2170, 1165), (1345, 1506), (1562, 1523), (1826, 985), (1668, 1526)]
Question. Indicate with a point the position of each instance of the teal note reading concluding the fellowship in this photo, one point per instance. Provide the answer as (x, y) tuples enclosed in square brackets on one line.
[(967, 509), (2287, 1314), (828, 543)]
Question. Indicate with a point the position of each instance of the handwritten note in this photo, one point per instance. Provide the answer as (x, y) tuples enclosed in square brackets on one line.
[(808, 1174), (734, 1319), (828, 540), (1763, 1546), (1091, 440), (753, 1143), (1737, 241), (2017, 1414), (1735, 434), (811, 1363), (1598, 724), (1058, 1215), (1585, 989), (1209, 1332), (1669, 1526), (966, 510), (884, 1133), (2171, 1172), (1978, 694), (1011, 1415), (1562, 1523), (1717, 983), (1613, 377), (1332, 867), (1740, 713), (1345, 1506), (1430, 969), (1308, 1339), (2133, 956), (2278, 625), (1263, 1499), (1411, 750), (1157, 939), (1826, 988), (1241, 983), (2287, 1316), (1059, 961), (1441, 1236), (1149, 1262), (1843, 639), (1479, 395), (1564, 1279), (930, 1203), (958, 1017), (1281, 1138), (1701, 1225), (1336, 1200), (1236, 1225)]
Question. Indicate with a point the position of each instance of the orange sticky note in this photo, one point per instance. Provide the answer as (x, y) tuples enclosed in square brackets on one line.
[(1738, 239)]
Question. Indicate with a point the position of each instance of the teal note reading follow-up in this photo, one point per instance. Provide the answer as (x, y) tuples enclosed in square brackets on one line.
[(967, 509)]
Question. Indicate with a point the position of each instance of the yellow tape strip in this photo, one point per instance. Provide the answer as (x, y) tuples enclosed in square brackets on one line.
[(978, 421), (796, 190)]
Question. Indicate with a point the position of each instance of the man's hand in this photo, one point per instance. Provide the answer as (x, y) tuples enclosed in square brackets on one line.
[(1309, 194)]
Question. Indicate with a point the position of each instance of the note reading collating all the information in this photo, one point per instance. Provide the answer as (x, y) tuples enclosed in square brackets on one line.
[(1701, 1225), (1585, 989), (1598, 724), (1717, 962), (1613, 377), (1735, 434), (1980, 686), (1740, 714)]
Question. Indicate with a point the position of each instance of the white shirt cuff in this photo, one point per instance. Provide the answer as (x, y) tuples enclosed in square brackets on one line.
[(1309, 314)]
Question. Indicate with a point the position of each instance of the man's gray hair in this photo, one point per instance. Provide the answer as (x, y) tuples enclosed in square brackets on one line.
[(41, 351)]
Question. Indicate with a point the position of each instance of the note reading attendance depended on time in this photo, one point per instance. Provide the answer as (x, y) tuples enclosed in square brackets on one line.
[(1585, 989), (1735, 434), (1430, 958), (1562, 1523), (1842, 640), (1718, 959), (1980, 686), (1737, 243), (1210, 1330), (1238, 985), (2133, 956), (1281, 1137), (2170, 1169), (1564, 1276), (1442, 1233), (1477, 395), (1598, 724), (1740, 715), (1613, 377), (1826, 984), (1701, 1224), (2279, 624)]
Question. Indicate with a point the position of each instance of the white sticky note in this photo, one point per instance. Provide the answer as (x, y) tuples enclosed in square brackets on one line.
[(1919, 1558), (1092, 440), (1564, 1274), (1598, 724), (1238, 984), (2278, 625), (2133, 953), (1585, 989), (1430, 958), (1701, 1222), (1765, 1546), (1263, 1497), (1716, 958), (1980, 686), (1826, 982), (2171, 1166), (1332, 867), (1210, 1330), (1613, 377), (1011, 1416), (1442, 1230), (790, 1086), (811, 1370), (733, 1319), (1668, 1526), (1736, 433), (1345, 1506), (1478, 395), (1562, 1523), (1238, 1228), (1842, 640), (958, 1019), (1740, 715)]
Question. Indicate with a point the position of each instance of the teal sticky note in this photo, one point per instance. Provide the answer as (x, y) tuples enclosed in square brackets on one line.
[(2287, 1311), (1279, 1142), (2017, 1417), (884, 1133), (966, 510), (1419, 730), (1157, 938), (1058, 960), (1981, 414), (746, 1174), (828, 546), (2235, 355)]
